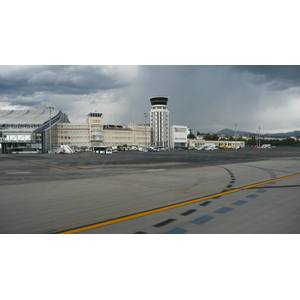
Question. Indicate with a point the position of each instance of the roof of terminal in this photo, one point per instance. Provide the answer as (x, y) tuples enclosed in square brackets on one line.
[(26, 116)]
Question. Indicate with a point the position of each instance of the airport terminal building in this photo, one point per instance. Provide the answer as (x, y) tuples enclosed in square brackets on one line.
[(49, 129), (94, 133), (28, 128), (80, 135)]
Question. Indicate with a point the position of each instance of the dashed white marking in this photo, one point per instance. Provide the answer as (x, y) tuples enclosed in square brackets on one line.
[(156, 170)]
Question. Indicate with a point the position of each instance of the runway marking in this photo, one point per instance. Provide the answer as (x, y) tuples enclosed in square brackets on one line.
[(239, 202), (164, 223), (116, 213), (176, 231), (160, 209), (40, 163), (261, 191), (202, 220), (223, 210), (53, 167), (205, 203), (18, 172), (252, 196), (188, 212)]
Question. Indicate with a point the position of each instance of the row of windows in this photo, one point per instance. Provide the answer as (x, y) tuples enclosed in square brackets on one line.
[(177, 129), (117, 133), (159, 107), (119, 137), (99, 137), (73, 126), (74, 132), (73, 137), (100, 132), (75, 144)]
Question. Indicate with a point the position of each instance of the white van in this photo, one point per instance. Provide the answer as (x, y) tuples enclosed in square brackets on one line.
[(109, 151)]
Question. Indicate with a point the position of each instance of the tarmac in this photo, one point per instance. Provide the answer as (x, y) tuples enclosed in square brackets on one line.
[(174, 192)]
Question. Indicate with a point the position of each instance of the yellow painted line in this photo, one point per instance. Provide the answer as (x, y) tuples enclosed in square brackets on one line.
[(53, 167), (272, 180), (116, 213), (153, 211), (75, 223), (40, 163)]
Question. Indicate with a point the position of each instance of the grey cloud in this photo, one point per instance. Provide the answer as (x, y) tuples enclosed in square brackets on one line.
[(280, 77), (72, 80), (206, 98), (36, 103)]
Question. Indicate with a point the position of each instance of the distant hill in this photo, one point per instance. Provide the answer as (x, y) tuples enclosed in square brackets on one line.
[(287, 134), (227, 131)]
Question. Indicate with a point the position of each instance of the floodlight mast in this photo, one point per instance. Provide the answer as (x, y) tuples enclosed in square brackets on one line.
[(235, 125), (145, 115), (50, 139), (259, 136)]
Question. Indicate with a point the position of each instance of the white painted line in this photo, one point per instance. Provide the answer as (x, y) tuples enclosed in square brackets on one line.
[(156, 170), (18, 172)]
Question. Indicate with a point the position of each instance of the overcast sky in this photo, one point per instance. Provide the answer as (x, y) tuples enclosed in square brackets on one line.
[(204, 98), (215, 60)]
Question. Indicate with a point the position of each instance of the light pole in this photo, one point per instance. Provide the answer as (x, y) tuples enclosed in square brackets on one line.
[(258, 136), (235, 136), (145, 115), (50, 139)]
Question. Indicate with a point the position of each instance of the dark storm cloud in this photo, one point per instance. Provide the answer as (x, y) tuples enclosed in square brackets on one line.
[(279, 77), (205, 98), (74, 80)]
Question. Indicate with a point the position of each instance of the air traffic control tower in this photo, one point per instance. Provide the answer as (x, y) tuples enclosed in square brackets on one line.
[(159, 121)]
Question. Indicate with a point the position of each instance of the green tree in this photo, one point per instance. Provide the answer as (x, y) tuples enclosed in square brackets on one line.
[(212, 137), (191, 136), (251, 142)]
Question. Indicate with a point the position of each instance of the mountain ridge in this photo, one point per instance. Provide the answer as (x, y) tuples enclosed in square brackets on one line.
[(228, 131)]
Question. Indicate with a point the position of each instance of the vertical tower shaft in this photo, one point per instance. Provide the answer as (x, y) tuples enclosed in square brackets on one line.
[(159, 121)]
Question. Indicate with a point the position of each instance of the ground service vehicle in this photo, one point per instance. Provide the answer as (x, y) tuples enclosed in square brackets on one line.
[(24, 150)]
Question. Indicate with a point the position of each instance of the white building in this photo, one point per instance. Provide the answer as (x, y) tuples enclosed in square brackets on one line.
[(159, 121), (178, 136), (194, 143)]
